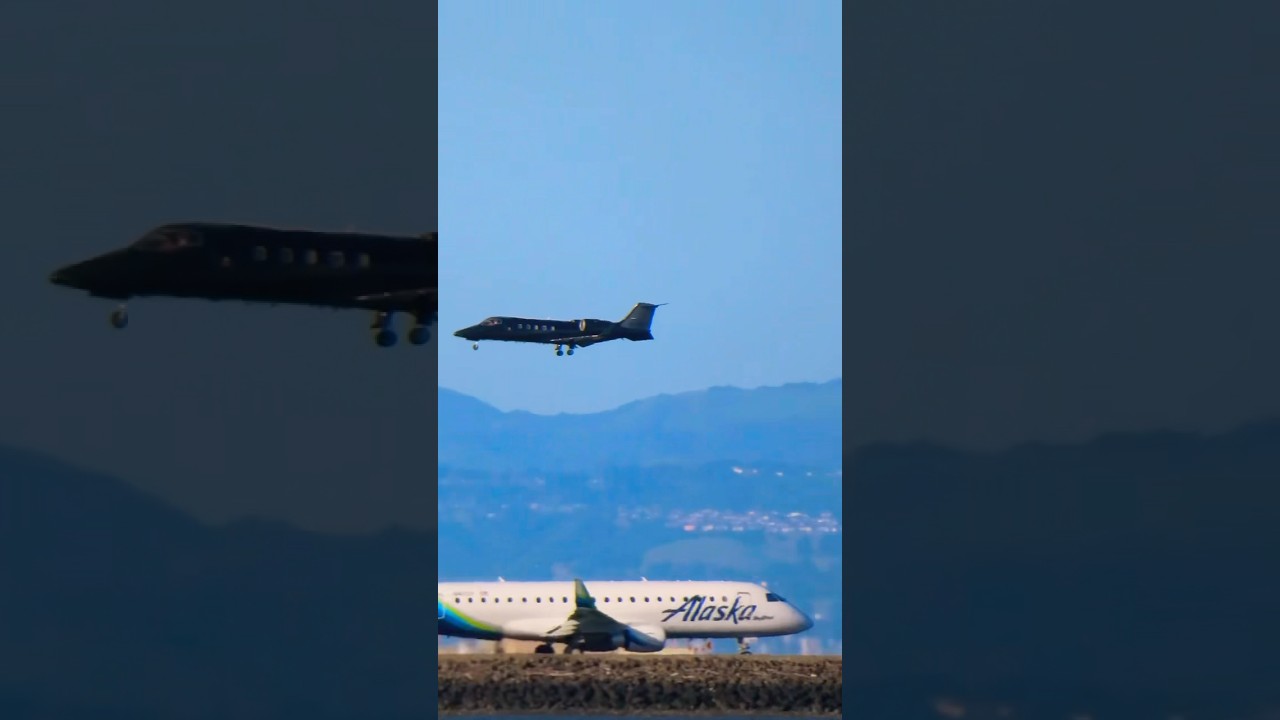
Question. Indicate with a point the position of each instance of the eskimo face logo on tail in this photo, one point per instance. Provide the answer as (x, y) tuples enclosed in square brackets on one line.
[(700, 609)]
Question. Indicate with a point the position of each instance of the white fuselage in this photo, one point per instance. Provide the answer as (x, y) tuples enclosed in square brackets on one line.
[(682, 609)]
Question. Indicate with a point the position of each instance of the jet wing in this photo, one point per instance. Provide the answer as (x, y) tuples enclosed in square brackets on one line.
[(581, 340), (401, 300), (585, 618)]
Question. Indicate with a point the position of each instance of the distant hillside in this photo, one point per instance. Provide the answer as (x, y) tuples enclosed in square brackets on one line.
[(798, 424), (114, 605), (1130, 576)]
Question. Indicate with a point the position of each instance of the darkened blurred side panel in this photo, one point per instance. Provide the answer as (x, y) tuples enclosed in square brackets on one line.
[(1063, 455), (225, 510)]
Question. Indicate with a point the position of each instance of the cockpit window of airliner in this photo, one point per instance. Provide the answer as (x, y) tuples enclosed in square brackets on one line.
[(773, 597), (491, 321)]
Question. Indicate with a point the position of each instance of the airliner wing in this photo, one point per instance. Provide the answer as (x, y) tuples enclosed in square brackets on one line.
[(401, 300), (585, 618), (581, 340)]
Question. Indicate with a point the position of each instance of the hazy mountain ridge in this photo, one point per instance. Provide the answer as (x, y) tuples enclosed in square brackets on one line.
[(799, 423), (1127, 571), (1129, 574), (116, 604), (507, 477)]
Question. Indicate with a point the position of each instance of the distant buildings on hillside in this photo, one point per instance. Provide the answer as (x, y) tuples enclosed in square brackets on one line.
[(710, 520), (705, 520), (472, 507)]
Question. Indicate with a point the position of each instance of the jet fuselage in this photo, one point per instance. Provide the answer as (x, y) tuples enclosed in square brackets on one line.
[(215, 261)]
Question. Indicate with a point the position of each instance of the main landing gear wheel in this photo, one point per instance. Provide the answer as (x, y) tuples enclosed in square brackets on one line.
[(570, 351), (119, 318), (559, 352), (383, 335), (419, 335), (544, 650)]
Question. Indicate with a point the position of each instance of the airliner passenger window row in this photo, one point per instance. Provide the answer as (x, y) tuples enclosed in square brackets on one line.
[(525, 326), (771, 597)]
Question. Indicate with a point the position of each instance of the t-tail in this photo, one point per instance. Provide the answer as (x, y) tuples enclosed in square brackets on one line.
[(636, 324)]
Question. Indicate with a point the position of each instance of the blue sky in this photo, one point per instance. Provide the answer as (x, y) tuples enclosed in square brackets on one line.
[(593, 155)]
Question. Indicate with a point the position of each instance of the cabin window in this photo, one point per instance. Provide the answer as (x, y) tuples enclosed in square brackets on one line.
[(336, 259), (259, 254), (312, 257), (646, 599), (537, 599), (365, 261), (286, 256)]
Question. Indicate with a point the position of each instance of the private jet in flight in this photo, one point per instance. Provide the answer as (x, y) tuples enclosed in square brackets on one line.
[(563, 334), (384, 274)]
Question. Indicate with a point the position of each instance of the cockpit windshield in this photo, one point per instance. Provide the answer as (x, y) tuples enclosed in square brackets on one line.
[(491, 321), (167, 240), (773, 597)]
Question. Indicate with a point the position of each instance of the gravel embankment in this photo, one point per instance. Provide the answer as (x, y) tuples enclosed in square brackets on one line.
[(767, 684)]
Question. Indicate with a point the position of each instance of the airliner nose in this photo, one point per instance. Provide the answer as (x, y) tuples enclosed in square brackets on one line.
[(803, 621)]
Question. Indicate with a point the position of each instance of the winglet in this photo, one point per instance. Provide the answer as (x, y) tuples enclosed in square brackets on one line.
[(581, 598)]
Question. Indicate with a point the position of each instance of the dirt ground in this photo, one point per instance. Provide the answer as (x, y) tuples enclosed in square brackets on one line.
[(770, 684)]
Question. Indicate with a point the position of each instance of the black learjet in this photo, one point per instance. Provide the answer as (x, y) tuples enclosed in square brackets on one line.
[(219, 261)]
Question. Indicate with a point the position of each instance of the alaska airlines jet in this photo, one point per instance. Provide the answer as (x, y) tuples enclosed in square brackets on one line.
[(635, 616)]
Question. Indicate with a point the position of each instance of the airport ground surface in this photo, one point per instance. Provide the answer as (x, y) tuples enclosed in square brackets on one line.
[(639, 684)]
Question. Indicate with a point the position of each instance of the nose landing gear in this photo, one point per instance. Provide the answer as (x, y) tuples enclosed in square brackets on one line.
[(120, 318)]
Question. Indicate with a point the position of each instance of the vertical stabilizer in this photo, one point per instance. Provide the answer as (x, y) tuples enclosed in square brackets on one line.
[(638, 321)]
